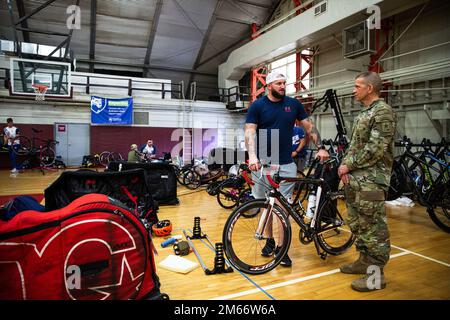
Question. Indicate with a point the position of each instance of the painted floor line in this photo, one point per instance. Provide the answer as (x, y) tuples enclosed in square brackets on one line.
[(421, 255), (415, 253), (290, 282)]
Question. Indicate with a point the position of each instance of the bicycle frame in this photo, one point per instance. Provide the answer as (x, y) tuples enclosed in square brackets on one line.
[(274, 196)]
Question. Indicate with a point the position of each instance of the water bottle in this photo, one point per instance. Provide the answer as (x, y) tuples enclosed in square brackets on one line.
[(311, 205)]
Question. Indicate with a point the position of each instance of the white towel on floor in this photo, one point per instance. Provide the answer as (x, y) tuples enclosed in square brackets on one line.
[(402, 201)]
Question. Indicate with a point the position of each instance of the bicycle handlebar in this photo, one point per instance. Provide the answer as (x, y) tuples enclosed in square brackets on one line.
[(426, 143)]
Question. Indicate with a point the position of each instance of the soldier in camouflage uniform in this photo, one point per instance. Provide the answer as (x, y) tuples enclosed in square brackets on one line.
[(365, 172)]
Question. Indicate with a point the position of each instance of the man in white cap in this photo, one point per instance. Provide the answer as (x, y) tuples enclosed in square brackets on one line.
[(269, 117)]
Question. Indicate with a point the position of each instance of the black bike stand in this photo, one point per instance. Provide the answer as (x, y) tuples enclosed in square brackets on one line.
[(219, 262), (197, 230)]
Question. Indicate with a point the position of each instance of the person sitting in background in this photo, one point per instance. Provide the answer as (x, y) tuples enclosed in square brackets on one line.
[(134, 154), (149, 150)]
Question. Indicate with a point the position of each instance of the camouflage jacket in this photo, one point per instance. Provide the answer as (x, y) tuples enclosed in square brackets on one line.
[(371, 151)]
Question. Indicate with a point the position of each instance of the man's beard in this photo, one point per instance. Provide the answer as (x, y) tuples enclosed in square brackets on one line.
[(278, 95)]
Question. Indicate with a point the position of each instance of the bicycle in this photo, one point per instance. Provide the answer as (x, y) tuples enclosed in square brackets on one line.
[(235, 190), (433, 192), (107, 156), (248, 227), (200, 173), (29, 147)]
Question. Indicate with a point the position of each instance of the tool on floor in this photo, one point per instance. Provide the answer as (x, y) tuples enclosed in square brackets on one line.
[(219, 262)]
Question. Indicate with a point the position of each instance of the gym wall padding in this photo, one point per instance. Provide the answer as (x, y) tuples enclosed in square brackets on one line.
[(160, 177), (120, 138)]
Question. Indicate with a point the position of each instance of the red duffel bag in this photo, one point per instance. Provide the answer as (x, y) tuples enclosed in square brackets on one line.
[(94, 248)]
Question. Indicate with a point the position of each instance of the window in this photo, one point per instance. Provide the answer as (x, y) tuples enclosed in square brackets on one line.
[(287, 66)]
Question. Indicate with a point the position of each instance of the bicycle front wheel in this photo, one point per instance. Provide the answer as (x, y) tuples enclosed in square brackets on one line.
[(243, 248), (47, 157), (104, 158), (332, 232), (24, 148)]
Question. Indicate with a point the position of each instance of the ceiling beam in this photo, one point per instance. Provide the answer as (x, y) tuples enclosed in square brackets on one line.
[(206, 36), (255, 4), (246, 38), (32, 13), (52, 33), (93, 34), (247, 23), (24, 24), (151, 37), (148, 66)]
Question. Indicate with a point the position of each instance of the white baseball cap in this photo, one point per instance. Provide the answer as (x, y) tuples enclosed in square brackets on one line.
[(275, 76)]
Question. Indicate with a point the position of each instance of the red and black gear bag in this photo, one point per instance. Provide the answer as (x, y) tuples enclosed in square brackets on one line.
[(94, 248), (129, 187)]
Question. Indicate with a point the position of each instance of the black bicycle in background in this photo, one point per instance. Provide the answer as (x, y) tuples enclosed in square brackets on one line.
[(424, 175)]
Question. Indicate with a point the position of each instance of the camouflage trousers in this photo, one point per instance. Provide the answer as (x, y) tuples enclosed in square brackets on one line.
[(367, 219)]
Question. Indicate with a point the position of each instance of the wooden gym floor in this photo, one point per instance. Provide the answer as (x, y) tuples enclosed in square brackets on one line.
[(419, 267)]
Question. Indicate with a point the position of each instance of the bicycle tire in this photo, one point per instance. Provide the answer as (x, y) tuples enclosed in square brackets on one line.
[(397, 182), (25, 147), (103, 158), (333, 234), (226, 194), (192, 180), (243, 249), (442, 220), (212, 188), (114, 156), (439, 208), (47, 157), (182, 171)]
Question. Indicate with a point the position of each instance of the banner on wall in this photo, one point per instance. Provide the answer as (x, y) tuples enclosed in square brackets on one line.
[(111, 111)]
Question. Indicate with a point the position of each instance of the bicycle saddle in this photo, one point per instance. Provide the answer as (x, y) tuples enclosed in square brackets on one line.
[(36, 130)]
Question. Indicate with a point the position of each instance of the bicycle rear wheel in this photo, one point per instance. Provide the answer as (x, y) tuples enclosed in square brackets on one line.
[(228, 194), (104, 158), (243, 249), (114, 156), (333, 234), (24, 147), (192, 180), (47, 157), (439, 208)]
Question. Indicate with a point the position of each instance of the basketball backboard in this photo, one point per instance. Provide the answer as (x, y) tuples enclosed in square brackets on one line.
[(26, 73)]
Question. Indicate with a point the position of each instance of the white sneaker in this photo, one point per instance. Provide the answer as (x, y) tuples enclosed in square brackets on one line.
[(14, 170)]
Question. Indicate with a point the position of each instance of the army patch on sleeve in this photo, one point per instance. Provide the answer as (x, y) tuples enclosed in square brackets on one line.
[(386, 128)]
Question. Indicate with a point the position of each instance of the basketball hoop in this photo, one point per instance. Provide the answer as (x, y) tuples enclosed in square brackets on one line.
[(40, 91)]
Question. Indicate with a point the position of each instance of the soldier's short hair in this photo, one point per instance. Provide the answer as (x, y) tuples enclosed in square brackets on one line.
[(373, 79)]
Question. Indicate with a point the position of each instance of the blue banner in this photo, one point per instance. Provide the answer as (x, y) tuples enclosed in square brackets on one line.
[(111, 111)]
